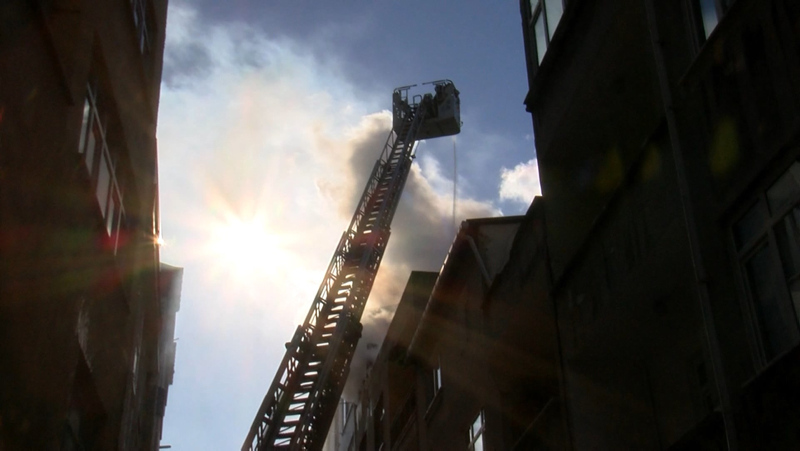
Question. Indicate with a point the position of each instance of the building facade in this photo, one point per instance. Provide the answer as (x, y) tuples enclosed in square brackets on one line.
[(85, 304), (389, 386), (470, 359), (667, 140)]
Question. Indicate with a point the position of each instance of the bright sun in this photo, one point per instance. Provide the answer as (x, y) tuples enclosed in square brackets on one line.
[(245, 247)]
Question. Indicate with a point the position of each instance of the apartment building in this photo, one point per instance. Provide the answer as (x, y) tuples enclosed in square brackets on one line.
[(470, 360), (667, 140), (84, 301)]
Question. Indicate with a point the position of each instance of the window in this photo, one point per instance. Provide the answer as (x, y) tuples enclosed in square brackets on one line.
[(142, 25), (707, 14), (135, 371), (433, 385), (437, 377), (100, 164), (476, 432), (704, 387), (377, 423), (767, 240), (345, 411), (348, 415), (539, 33), (554, 9), (544, 18)]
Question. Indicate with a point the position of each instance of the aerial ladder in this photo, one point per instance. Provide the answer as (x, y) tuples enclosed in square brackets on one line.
[(302, 400)]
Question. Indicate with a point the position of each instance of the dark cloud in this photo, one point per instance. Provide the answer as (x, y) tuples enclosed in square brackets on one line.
[(382, 45)]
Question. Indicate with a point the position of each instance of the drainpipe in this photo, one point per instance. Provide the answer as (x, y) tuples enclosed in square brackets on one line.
[(700, 276)]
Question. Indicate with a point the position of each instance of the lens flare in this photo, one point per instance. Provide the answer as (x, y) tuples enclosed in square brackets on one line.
[(245, 247)]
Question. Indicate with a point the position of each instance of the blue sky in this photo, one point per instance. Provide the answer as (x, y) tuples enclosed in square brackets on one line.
[(272, 113)]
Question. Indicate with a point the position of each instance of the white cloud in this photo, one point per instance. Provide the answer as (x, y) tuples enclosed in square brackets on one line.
[(521, 183)]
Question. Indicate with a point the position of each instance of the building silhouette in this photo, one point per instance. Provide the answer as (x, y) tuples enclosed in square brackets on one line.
[(469, 360), (667, 142), (649, 299), (86, 309)]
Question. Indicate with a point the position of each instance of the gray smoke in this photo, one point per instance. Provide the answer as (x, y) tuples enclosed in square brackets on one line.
[(422, 232)]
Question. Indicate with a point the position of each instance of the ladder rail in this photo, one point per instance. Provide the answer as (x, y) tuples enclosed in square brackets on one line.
[(345, 243), (340, 301), (370, 262)]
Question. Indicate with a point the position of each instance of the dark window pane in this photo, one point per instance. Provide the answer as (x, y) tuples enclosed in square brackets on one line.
[(708, 16), (785, 190), (787, 233), (764, 280), (554, 10), (112, 213), (103, 184), (538, 29), (91, 149), (749, 226), (87, 109), (794, 289)]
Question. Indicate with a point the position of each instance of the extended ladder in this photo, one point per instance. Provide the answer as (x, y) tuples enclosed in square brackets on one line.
[(301, 402)]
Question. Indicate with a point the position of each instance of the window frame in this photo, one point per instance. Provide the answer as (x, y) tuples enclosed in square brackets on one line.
[(99, 160), (701, 35), (142, 17), (537, 9), (378, 417), (540, 17), (433, 384), (135, 369), (477, 435), (437, 377), (764, 237)]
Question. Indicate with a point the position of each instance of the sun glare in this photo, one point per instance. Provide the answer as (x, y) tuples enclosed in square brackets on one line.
[(246, 247)]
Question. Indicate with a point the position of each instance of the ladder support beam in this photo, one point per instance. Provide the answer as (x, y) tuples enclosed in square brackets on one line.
[(300, 404)]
